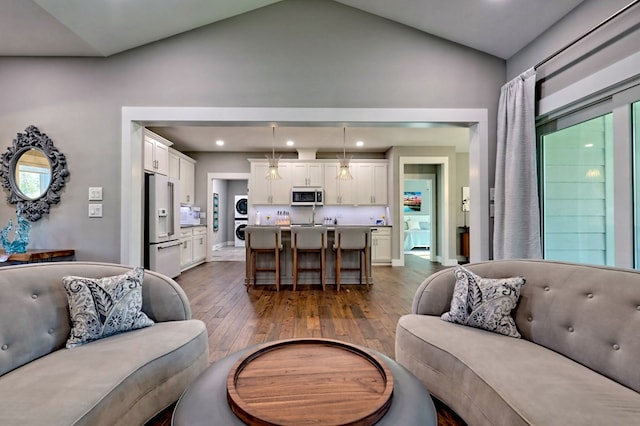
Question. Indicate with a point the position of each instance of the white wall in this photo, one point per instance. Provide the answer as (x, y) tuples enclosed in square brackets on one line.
[(422, 186), (310, 53), (219, 237), (462, 179)]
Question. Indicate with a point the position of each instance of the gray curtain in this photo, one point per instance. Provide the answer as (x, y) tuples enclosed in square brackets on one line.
[(517, 213)]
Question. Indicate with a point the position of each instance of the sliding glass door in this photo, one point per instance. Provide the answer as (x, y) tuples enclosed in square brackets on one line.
[(577, 192), (635, 125)]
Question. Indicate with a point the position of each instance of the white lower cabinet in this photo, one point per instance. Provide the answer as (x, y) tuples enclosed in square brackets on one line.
[(381, 245), (186, 248), (199, 243), (193, 246)]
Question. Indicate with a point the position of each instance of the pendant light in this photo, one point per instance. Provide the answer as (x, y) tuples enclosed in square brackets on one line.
[(272, 173), (344, 173)]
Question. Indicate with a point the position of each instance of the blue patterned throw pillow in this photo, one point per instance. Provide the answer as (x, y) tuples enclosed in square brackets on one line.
[(101, 307), (485, 303)]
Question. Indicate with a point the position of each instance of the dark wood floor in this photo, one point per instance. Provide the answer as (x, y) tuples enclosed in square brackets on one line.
[(237, 318)]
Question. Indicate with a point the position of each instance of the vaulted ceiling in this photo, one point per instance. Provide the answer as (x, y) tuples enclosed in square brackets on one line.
[(101, 28)]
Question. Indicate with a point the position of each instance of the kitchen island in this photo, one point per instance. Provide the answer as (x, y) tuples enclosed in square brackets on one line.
[(311, 260)]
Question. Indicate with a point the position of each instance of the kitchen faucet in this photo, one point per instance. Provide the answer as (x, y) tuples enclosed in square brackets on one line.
[(313, 214)]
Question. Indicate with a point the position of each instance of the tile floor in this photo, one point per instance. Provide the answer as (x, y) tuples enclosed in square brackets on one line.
[(420, 252), (229, 254)]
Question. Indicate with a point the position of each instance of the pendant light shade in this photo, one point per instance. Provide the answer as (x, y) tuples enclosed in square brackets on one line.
[(344, 173), (272, 173)]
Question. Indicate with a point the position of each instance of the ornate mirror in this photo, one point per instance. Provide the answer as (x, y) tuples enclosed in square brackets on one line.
[(33, 171)]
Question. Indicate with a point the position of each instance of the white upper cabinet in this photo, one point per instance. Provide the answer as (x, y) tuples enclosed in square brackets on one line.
[(174, 165), (370, 183), (306, 174), (381, 184), (183, 168), (336, 191), (156, 153), (259, 188), (263, 191), (368, 187), (281, 189), (187, 180)]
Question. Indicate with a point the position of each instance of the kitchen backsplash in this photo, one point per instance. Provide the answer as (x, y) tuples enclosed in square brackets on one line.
[(189, 215), (360, 215)]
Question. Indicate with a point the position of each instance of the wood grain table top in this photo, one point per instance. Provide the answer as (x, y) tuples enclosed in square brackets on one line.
[(37, 255), (310, 381)]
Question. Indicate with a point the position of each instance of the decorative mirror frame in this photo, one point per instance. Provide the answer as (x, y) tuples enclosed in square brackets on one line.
[(33, 209)]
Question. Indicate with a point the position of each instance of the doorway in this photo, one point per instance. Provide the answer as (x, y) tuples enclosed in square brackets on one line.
[(420, 211), (227, 186), (436, 170), (135, 118)]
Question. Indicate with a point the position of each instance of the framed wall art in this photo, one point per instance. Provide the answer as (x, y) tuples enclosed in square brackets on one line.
[(216, 209)]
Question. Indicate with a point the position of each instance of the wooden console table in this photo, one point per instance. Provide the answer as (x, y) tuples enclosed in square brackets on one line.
[(34, 256), (464, 242)]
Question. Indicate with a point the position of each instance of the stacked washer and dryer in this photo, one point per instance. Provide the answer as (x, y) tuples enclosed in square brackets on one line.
[(241, 219)]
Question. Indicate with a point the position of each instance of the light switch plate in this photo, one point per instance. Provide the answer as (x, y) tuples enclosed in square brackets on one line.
[(95, 193), (95, 210)]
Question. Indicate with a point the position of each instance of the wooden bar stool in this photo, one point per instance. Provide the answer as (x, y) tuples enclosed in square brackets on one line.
[(309, 240), (352, 239), (266, 240)]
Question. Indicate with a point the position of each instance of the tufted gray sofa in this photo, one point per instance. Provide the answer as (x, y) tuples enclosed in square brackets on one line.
[(578, 362), (120, 380)]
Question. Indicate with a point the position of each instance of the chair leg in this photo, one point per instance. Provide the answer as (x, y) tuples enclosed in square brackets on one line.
[(323, 264), (254, 261), (247, 258), (295, 268), (360, 267), (338, 267), (277, 253), (366, 265)]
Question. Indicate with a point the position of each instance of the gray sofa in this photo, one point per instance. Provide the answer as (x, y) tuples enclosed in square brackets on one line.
[(124, 379), (577, 363)]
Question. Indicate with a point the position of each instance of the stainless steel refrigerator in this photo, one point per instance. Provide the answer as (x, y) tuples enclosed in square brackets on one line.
[(162, 227)]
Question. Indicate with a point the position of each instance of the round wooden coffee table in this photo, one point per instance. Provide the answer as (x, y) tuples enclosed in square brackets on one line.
[(305, 381)]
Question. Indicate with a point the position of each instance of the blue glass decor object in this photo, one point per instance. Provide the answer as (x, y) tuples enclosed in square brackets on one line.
[(21, 240)]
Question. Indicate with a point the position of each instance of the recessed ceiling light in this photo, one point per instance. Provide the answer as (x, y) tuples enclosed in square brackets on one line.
[(219, 142), (359, 143), (290, 143), (589, 145)]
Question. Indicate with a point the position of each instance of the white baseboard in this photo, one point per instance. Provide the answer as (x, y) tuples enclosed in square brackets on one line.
[(438, 259)]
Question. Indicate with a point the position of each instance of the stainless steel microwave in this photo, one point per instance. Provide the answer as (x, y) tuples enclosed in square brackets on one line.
[(305, 196)]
